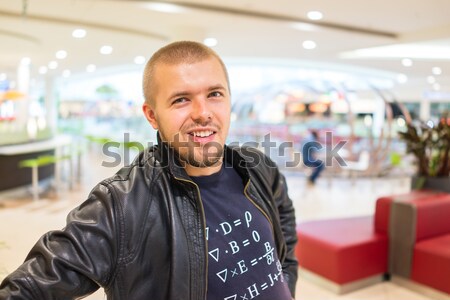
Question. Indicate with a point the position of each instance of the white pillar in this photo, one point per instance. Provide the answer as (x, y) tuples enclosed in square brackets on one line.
[(23, 86), (425, 109), (50, 103)]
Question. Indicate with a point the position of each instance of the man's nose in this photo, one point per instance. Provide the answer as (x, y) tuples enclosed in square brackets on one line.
[(201, 111)]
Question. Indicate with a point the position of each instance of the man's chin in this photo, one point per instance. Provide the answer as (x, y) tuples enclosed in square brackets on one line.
[(203, 160)]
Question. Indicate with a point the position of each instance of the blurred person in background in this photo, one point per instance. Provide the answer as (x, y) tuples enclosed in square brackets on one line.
[(310, 149), (190, 218)]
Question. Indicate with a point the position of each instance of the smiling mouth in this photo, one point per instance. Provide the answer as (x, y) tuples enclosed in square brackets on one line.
[(202, 133)]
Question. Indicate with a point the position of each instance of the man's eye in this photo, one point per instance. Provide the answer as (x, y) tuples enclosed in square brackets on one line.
[(215, 94), (179, 100)]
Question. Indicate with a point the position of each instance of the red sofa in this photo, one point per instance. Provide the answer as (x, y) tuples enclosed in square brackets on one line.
[(337, 249), (347, 250), (431, 251)]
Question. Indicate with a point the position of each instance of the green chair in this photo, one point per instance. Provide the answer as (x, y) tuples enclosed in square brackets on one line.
[(34, 164)]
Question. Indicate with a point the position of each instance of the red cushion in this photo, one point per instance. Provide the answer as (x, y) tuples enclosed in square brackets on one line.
[(382, 213), (383, 206), (431, 263), (342, 250), (433, 217)]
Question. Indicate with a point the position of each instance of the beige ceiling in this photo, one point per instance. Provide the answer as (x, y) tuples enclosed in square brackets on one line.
[(245, 29)]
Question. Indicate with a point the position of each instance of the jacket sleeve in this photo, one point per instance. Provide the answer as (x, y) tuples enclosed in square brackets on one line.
[(288, 226), (72, 262)]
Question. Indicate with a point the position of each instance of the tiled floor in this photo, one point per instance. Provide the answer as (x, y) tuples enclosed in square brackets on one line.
[(24, 221)]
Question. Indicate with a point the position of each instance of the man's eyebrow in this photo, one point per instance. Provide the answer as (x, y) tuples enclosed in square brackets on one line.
[(186, 93), (217, 87), (178, 94)]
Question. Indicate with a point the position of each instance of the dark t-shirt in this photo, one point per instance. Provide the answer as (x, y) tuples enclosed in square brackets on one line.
[(242, 259)]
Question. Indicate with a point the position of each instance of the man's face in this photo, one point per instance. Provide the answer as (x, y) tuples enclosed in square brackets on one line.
[(191, 110)]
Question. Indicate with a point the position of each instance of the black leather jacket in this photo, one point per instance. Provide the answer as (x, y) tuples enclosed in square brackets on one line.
[(141, 234)]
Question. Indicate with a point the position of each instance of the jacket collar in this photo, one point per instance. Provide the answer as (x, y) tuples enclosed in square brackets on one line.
[(169, 160)]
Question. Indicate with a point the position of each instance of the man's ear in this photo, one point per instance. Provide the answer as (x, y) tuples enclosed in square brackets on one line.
[(150, 115)]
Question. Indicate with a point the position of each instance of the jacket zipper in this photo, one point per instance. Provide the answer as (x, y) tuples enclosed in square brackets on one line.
[(257, 206), (204, 230)]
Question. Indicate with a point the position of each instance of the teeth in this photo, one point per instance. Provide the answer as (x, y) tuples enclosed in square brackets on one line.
[(202, 133)]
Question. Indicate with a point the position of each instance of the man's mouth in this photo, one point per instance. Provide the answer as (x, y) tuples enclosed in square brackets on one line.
[(203, 133), (202, 136)]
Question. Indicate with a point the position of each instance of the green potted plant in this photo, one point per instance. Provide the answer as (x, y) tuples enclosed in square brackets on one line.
[(430, 145)]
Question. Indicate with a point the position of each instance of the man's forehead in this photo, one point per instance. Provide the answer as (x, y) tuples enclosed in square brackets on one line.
[(172, 64)]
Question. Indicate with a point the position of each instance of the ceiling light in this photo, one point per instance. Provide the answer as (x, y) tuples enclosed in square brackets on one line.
[(61, 54), (402, 78), (436, 71), (53, 65), (407, 62), (309, 45), (304, 26), (315, 15), (139, 60), (106, 50), (210, 42), (431, 79), (436, 86), (79, 33), (2, 76), (91, 68), (25, 61), (165, 7), (66, 73), (43, 70)]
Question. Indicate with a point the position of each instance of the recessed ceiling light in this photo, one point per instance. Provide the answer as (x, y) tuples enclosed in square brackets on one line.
[(43, 70), (304, 26), (407, 62), (79, 33), (2, 76), (436, 71), (431, 79), (402, 78), (91, 68), (165, 7), (25, 61), (315, 15), (106, 50), (139, 60), (66, 73), (53, 65), (309, 45), (61, 54), (210, 42), (436, 86)]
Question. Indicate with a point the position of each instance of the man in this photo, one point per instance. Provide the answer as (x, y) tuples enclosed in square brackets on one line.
[(191, 218), (309, 153)]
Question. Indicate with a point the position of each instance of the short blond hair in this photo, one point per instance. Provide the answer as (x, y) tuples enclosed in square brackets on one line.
[(176, 53)]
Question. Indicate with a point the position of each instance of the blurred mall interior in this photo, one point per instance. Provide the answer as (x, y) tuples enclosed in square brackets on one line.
[(359, 73)]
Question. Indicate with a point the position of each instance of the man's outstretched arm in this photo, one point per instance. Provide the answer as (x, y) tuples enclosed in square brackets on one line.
[(73, 262)]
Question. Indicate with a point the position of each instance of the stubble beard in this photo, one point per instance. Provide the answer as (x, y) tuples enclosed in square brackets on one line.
[(185, 152), (203, 160)]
